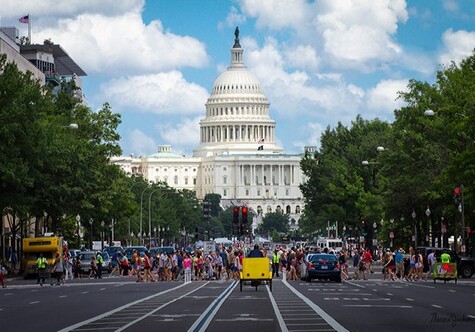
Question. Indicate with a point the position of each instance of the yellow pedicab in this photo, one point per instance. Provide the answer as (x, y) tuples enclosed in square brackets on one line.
[(256, 270)]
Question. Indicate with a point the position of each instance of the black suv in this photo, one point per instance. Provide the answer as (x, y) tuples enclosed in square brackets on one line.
[(465, 264)]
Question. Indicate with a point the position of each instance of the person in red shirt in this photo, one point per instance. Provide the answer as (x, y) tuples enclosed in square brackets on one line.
[(368, 258)]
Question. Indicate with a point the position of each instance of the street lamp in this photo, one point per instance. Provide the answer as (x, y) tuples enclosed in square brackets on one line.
[(78, 220), (415, 228), (102, 235), (130, 188), (391, 234), (141, 209), (90, 233), (427, 226)]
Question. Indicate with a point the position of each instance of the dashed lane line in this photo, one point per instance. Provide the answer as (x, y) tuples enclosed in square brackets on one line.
[(329, 319), (436, 306)]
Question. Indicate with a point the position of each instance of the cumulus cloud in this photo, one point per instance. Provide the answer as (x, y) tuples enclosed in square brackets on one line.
[(139, 143), (360, 31), (457, 45), (302, 56), (182, 134), (123, 44), (162, 93), (382, 99), (277, 14), (53, 8), (233, 18)]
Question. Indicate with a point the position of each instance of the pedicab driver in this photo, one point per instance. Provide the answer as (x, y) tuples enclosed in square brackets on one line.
[(255, 252)]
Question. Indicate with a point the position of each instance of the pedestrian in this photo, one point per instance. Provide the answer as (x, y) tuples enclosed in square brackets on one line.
[(93, 271), (58, 270), (77, 268), (100, 263), (147, 266), (187, 264), (275, 263), (124, 262), (343, 265), (3, 273), (399, 260), (41, 266), (431, 260), (116, 263)]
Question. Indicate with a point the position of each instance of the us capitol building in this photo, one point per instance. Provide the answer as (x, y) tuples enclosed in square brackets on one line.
[(237, 157)]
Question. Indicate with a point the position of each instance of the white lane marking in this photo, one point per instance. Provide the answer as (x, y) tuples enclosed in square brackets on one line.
[(62, 296), (102, 289), (85, 292), (280, 319), (354, 284), (330, 320), (7, 294), (409, 299), (378, 306), (202, 323), (34, 302), (389, 294), (98, 317), (452, 290), (436, 306), (471, 316)]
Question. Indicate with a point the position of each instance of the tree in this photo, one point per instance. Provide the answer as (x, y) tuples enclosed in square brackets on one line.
[(274, 221)]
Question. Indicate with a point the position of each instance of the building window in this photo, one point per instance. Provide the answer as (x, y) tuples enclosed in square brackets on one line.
[(297, 209), (175, 179), (247, 192), (258, 192), (186, 181), (225, 193), (165, 170), (287, 209), (225, 169), (176, 170), (194, 181), (269, 209), (194, 169), (287, 192), (225, 179), (186, 169), (278, 209)]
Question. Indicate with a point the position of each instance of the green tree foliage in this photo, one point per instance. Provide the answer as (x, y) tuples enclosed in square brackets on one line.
[(338, 187), (274, 221)]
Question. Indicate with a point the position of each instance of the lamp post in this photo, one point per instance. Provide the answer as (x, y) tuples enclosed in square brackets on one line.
[(141, 208), (90, 233), (130, 188), (413, 215), (375, 240), (150, 215), (428, 230), (155, 236), (102, 235), (391, 234), (78, 223), (132, 237)]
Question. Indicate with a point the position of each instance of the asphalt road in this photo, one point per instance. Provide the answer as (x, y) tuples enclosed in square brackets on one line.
[(121, 304)]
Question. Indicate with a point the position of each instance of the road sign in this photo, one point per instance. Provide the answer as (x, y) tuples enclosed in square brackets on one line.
[(209, 246)]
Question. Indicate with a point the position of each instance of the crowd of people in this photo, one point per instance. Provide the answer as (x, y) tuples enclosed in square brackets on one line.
[(226, 263)]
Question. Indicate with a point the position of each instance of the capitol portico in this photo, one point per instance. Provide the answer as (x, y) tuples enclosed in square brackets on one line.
[(237, 157)]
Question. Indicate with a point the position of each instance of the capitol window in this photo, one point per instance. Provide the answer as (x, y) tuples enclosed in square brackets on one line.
[(247, 192), (225, 179), (225, 193), (175, 179)]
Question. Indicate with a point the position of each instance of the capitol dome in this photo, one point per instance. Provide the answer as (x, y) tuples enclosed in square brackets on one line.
[(237, 113)]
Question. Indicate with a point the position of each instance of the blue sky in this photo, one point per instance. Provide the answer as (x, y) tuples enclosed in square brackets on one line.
[(320, 62)]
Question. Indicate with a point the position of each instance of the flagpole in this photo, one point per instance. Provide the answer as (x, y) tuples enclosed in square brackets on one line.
[(29, 29)]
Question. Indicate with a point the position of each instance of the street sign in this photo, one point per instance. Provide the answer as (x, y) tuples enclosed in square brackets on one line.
[(209, 246)]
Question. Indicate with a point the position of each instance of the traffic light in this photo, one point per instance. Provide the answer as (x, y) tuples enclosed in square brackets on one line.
[(244, 214), (206, 210), (236, 215)]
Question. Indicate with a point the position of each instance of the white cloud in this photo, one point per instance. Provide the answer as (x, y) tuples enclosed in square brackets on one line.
[(123, 44), (185, 133), (277, 14), (302, 56), (382, 100), (360, 31), (234, 18), (457, 45), (54, 8), (139, 143), (163, 93)]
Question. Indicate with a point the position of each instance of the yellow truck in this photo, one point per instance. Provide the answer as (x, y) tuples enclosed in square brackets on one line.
[(255, 270), (48, 246)]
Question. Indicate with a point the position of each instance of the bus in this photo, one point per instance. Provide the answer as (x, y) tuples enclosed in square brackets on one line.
[(48, 246), (332, 244)]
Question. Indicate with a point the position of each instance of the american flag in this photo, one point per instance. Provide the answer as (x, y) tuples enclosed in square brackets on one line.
[(260, 141), (25, 19)]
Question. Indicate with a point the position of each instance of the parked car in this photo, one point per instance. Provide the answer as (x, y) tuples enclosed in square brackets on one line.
[(130, 250), (112, 249), (154, 251), (86, 257), (465, 264), (323, 266)]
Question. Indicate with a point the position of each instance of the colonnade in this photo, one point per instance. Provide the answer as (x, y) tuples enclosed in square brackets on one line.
[(237, 133)]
